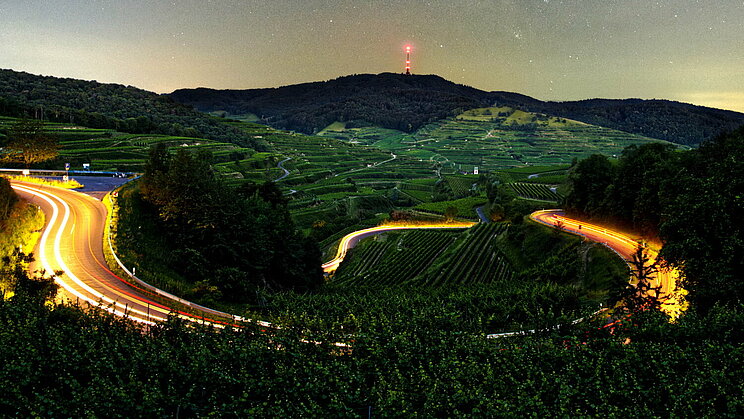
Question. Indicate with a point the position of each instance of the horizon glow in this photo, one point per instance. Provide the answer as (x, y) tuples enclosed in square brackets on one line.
[(682, 50)]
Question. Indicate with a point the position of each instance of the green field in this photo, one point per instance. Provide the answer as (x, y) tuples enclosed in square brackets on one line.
[(110, 150), (494, 138), (487, 254)]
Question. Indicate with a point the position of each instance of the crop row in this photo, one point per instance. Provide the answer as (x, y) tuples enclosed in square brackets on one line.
[(404, 257), (476, 260), (461, 185), (536, 191)]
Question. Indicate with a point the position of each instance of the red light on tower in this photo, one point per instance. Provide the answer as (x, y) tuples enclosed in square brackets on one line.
[(408, 60)]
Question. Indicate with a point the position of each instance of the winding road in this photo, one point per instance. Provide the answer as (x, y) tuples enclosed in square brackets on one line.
[(350, 240), (72, 242), (674, 303), (281, 166)]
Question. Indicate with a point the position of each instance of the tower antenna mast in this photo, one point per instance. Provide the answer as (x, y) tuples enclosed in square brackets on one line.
[(408, 60)]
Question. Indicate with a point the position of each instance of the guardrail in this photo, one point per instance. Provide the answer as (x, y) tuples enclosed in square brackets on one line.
[(54, 172), (155, 289)]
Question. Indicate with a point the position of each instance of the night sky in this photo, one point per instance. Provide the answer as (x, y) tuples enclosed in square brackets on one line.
[(686, 50)]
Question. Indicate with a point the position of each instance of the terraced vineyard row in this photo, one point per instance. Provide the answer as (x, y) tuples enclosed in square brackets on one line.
[(484, 138), (405, 256), (461, 185), (536, 191), (428, 257), (476, 260)]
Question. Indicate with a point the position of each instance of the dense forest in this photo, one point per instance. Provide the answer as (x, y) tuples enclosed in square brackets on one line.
[(407, 103), (229, 243), (692, 200), (113, 106), (391, 100), (676, 122)]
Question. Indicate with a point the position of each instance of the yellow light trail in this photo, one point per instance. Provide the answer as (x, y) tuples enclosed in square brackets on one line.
[(349, 240), (81, 289), (121, 303), (671, 293)]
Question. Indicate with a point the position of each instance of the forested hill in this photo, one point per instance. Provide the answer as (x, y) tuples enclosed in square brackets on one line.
[(663, 119), (99, 105), (390, 100), (408, 102)]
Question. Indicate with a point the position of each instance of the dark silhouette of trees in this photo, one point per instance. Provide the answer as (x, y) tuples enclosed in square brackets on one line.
[(703, 221), (14, 276), (692, 200), (29, 144), (8, 198), (643, 295), (589, 180), (229, 242), (111, 106)]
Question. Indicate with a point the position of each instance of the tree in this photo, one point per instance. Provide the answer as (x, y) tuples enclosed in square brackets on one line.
[(450, 213), (496, 212), (703, 224), (29, 144), (8, 198), (589, 181), (643, 295), (14, 274), (229, 243)]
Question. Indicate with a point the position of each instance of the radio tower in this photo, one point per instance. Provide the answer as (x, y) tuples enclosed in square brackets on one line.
[(408, 60)]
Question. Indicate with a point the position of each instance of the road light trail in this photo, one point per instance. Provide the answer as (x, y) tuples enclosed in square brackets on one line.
[(667, 278), (78, 251), (79, 254), (350, 240)]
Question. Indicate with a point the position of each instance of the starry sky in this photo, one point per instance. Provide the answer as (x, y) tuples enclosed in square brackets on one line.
[(686, 50)]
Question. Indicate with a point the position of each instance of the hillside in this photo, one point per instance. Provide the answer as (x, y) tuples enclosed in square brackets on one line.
[(390, 100), (110, 106), (677, 122), (407, 103)]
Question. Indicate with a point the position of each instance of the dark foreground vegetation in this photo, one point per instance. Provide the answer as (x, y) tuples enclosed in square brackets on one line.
[(407, 359), (693, 200), (227, 243)]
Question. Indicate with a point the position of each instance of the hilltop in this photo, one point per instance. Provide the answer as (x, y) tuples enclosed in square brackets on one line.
[(108, 106), (407, 103), (391, 100), (388, 100)]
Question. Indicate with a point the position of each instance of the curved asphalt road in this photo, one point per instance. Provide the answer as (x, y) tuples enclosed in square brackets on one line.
[(72, 241), (625, 247), (350, 240), (281, 166)]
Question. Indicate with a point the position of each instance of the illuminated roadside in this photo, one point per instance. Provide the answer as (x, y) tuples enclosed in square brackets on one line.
[(56, 249), (350, 240), (671, 294)]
